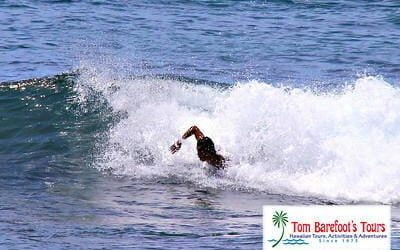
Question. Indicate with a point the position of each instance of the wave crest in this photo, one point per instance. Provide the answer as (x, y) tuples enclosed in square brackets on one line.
[(278, 140)]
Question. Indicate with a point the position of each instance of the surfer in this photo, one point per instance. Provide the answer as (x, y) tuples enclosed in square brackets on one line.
[(205, 148)]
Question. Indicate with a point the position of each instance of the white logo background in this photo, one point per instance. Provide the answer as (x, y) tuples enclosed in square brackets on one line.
[(327, 214)]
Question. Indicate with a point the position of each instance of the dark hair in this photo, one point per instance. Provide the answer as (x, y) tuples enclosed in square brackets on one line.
[(206, 145)]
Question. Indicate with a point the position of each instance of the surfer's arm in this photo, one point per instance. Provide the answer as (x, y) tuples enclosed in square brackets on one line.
[(193, 130), (175, 147)]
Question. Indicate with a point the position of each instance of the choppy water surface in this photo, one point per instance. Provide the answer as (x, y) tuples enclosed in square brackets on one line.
[(294, 41), (302, 96)]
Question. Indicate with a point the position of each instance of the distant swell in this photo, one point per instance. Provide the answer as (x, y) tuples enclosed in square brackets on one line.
[(296, 142)]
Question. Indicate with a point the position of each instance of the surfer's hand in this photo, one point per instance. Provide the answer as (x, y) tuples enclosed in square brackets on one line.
[(174, 148)]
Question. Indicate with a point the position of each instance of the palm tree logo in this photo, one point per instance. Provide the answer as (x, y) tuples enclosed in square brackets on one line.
[(280, 219)]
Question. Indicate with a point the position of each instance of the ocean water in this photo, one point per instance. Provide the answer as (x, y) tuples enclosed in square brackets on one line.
[(301, 96)]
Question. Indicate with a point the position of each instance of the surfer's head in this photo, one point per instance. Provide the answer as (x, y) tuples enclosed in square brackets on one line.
[(205, 149)]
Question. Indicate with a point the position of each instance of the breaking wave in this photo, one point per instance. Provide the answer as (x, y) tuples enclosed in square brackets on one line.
[(286, 141)]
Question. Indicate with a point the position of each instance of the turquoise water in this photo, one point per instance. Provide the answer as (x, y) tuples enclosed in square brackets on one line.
[(302, 96)]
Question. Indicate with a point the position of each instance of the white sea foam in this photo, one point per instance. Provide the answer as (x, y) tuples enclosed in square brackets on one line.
[(293, 142)]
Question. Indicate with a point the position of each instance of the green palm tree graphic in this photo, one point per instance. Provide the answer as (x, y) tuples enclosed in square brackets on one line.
[(280, 219)]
